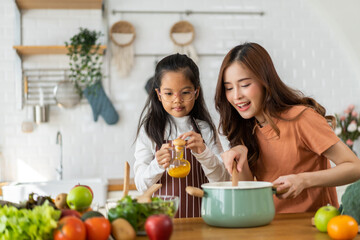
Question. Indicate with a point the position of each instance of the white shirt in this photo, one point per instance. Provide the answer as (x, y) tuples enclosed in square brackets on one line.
[(148, 171)]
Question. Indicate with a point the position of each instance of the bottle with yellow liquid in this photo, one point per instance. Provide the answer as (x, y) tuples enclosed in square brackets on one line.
[(179, 167)]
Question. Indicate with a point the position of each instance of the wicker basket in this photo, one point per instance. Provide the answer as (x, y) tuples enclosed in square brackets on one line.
[(182, 27), (122, 27)]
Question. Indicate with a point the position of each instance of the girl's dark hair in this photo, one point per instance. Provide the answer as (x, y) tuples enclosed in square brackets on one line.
[(277, 98), (154, 117)]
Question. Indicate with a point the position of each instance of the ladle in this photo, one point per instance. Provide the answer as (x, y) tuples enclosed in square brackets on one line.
[(146, 196)]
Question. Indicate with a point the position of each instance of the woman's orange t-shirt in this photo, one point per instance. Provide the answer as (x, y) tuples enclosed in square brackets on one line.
[(298, 149)]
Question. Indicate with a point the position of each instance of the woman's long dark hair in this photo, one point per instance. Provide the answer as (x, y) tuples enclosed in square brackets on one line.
[(154, 117), (277, 98)]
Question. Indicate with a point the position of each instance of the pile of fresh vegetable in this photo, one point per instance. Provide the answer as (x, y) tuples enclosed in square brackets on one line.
[(33, 219), (350, 201), (137, 213)]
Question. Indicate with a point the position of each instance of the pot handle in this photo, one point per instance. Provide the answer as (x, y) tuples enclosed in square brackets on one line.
[(276, 192), (193, 191)]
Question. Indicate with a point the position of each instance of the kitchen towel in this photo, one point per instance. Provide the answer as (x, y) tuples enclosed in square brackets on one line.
[(101, 104)]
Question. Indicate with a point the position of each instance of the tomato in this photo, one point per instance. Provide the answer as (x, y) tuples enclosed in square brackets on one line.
[(70, 228), (97, 228), (342, 227)]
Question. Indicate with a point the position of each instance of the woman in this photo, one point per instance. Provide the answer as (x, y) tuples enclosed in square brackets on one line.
[(278, 135)]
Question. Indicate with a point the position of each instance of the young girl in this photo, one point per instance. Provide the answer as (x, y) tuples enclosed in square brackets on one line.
[(175, 109), (278, 135)]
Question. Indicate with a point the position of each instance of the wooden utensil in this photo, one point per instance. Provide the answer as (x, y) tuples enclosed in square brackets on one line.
[(146, 196), (27, 125), (193, 191), (235, 175), (126, 179)]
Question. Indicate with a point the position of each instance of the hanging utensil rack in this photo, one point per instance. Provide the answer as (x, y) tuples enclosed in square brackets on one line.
[(45, 79), (190, 12)]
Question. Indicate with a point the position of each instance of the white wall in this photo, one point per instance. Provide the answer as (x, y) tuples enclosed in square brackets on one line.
[(307, 52)]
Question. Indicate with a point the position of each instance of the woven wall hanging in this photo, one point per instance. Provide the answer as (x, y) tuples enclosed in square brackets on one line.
[(122, 35), (182, 35)]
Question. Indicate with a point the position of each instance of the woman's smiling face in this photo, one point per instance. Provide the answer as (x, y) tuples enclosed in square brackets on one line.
[(244, 91), (175, 83)]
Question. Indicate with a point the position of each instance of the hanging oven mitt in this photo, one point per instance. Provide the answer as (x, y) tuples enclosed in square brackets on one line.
[(101, 104)]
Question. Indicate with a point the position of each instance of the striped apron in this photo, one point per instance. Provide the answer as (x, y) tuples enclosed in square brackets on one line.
[(189, 206)]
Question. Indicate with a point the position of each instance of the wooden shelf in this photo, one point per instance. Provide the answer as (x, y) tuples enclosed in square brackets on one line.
[(34, 50), (59, 4)]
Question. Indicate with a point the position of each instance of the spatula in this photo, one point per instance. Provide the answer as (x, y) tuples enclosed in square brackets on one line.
[(27, 125), (235, 175), (126, 179)]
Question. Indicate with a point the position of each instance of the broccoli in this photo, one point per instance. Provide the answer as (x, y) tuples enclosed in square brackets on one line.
[(350, 201)]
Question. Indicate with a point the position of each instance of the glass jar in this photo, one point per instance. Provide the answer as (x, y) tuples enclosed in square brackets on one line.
[(179, 167)]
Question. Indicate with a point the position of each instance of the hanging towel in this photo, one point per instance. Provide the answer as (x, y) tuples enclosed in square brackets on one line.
[(101, 104)]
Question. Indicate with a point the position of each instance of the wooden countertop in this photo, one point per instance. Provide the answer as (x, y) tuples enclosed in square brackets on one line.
[(115, 184), (284, 226)]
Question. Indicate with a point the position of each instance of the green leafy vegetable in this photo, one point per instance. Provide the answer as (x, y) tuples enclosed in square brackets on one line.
[(31, 202), (350, 201), (137, 213), (37, 223)]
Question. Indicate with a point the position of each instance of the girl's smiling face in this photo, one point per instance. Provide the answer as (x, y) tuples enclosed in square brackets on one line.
[(176, 84), (244, 91)]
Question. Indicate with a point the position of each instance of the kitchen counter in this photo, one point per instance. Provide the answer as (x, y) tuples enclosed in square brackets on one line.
[(115, 184), (284, 226)]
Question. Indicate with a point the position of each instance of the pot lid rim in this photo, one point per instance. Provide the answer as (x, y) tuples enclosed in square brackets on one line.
[(244, 185)]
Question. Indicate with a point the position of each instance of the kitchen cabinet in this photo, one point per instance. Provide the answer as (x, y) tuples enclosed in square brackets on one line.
[(41, 50), (54, 4), (284, 226)]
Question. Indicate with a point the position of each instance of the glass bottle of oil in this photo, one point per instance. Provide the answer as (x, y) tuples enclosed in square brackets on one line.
[(179, 167)]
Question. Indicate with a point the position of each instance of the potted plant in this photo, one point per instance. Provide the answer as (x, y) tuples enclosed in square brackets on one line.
[(85, 59), (86, 73)]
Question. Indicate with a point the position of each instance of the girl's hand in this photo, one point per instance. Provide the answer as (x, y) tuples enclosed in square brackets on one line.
[(163, 156), (238, 154), (289, 186), (195, 142)]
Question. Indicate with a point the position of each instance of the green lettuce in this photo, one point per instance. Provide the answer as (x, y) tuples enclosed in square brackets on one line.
[(36, 224)]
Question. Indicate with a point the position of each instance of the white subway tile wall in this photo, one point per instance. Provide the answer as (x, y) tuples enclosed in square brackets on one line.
[(306, 51)]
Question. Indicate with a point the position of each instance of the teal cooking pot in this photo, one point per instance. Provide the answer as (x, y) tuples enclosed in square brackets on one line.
[(250, 204)]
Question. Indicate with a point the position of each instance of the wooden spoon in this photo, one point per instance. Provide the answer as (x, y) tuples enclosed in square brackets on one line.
[(146, 196), (235, 175), (126, 179)]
